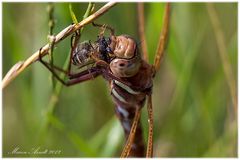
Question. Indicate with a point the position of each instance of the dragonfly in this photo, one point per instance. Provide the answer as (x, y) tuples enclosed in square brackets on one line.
[(130, 78)]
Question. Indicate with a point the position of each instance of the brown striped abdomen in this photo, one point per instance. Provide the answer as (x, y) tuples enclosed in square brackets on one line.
[(127, 100), (138, 146)]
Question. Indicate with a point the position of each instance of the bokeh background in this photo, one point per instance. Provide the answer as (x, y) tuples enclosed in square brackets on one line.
[(193, 111)]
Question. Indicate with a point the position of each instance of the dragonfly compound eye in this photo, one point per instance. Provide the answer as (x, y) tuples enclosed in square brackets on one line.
[(125, 47)]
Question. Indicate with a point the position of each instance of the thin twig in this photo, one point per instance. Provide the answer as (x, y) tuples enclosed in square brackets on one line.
[(162, 38), (149, 153), (223, 54), (58, 86), (141, 30), (51, 38), (51, 22), (59, 37)]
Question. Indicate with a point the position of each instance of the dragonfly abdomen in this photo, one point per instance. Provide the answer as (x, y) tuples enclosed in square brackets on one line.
[(126, 100), (126, 116)]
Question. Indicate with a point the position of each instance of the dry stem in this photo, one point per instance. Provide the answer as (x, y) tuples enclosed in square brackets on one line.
[(21, 66), (141, 29), (162, 38), (149, 153)]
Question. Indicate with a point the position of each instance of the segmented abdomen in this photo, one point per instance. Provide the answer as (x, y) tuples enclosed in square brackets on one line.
[(126, 101)]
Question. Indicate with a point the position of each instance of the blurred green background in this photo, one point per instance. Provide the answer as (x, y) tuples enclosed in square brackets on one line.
[(193, 109)]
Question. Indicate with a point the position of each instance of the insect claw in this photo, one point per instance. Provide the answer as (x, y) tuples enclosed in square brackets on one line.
[(39, 54), (153, 71)]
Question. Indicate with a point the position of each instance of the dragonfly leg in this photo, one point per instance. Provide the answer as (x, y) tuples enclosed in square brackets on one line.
[(74, 41), (49, 65), (104, 26), (52, 67), (46, 64), (73, 78), (82, 78)]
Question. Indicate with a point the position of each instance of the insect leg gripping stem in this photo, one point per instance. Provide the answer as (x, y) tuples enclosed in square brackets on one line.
[(112, 32), (74, 78)]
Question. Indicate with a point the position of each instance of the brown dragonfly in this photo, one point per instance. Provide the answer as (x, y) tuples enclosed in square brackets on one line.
[(119, 61)]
